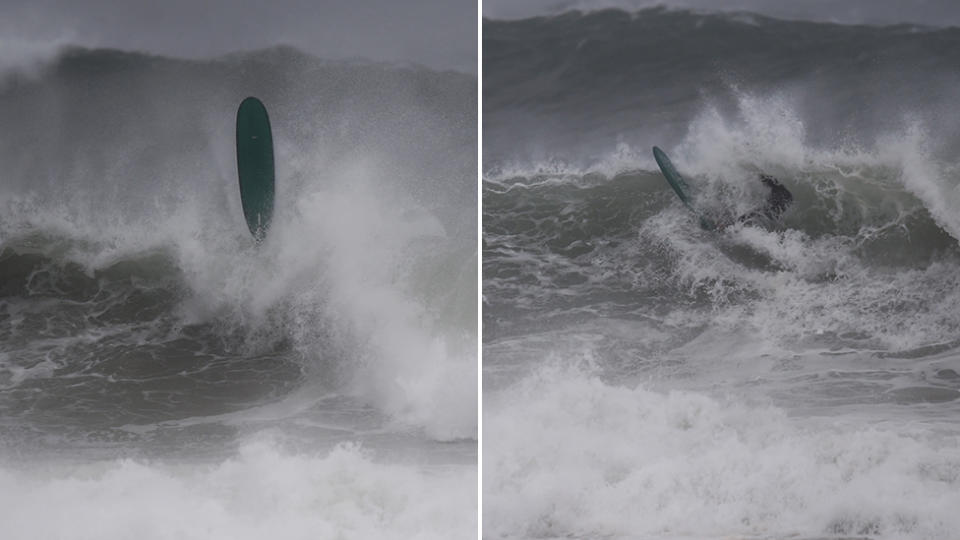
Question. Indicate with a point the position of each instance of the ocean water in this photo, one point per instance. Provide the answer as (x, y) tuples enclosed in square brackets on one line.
[(163, 377), (644, 378)]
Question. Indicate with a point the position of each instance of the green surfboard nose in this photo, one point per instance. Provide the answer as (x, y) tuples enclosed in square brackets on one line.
[(255, 166)]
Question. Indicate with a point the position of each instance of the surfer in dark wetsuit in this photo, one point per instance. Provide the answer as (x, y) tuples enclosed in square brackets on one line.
[(778, 201)]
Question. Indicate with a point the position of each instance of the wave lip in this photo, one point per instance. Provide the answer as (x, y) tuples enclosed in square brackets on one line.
[(610, 77)]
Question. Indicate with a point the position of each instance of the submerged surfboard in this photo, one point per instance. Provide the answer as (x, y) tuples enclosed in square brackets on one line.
[(255, 166), (679, 186)]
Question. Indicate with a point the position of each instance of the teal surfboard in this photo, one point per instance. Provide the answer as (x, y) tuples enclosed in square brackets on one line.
[(255, 166), (679, 186)]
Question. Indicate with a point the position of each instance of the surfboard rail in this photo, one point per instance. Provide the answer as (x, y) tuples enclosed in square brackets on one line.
[(680, 187)]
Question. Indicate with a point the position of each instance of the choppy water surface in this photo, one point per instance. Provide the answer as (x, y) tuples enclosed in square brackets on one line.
[(645, 378), (161, 376)]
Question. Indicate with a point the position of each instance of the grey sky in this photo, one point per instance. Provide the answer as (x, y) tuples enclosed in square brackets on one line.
[(925, 12), (441, 34)]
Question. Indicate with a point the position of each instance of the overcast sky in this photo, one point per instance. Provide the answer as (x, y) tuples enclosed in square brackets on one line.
[(441, 34), (926, 12)]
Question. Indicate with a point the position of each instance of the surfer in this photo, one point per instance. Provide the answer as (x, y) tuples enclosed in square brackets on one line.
[(773, 209), (778, 201)]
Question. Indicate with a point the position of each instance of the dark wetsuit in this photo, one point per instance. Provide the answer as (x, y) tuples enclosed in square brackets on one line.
[(778, 201)]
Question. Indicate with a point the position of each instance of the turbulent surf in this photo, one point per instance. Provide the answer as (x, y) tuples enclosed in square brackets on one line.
[(646, 378), (161, 375)]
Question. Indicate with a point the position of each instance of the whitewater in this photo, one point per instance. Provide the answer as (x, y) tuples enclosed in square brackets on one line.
[(644, 378), (161, 376)]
